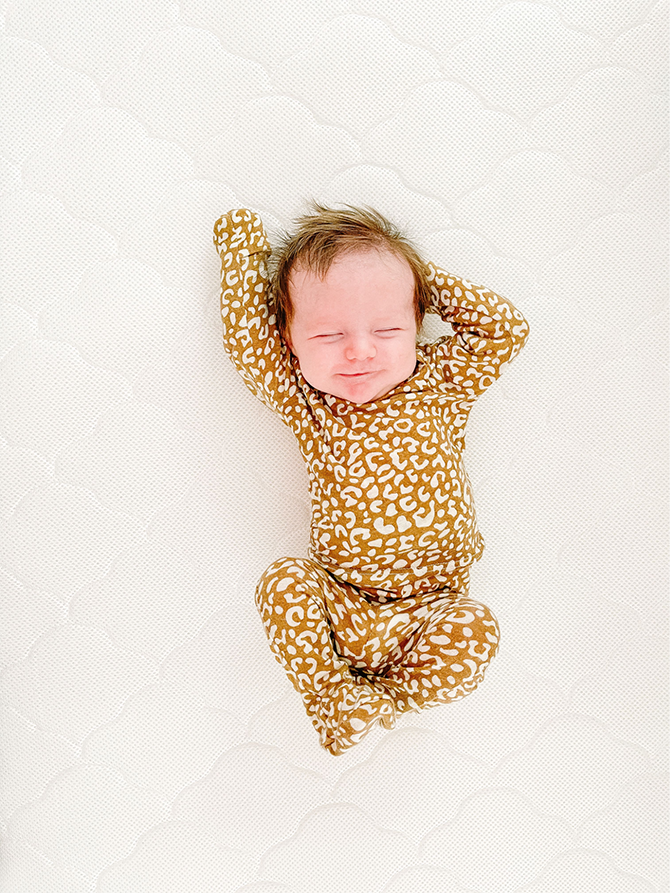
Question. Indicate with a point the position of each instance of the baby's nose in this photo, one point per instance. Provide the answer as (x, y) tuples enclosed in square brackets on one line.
[(360, 347)]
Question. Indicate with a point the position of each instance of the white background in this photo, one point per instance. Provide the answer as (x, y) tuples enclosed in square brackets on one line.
[(149, 740)]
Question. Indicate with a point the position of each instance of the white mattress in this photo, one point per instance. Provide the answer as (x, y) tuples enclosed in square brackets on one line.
[(149, 740)]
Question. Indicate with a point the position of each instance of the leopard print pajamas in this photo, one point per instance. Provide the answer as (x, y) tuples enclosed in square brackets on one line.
[(378, 620)]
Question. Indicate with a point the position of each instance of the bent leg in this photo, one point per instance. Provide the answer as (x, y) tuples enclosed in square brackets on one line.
[(292, 598), (444, 656)]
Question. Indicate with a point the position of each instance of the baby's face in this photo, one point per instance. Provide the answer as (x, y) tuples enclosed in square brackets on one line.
[(354, 331)]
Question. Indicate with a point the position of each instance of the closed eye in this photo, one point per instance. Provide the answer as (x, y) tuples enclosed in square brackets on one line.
[(333, 335)]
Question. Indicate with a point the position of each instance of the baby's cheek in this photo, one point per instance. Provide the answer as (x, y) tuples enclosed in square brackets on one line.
[(408, 360), (315, 370)]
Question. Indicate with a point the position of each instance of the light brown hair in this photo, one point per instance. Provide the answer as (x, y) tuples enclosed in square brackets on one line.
[(320, 237)]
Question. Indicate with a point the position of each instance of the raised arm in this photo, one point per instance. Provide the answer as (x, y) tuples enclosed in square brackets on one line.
[(488, 332), (250, 336)]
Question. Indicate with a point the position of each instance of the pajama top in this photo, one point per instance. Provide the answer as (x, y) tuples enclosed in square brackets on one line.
[(391, 500)]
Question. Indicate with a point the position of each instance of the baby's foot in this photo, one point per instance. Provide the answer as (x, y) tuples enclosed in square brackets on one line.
[(241, 232), (351, 710)]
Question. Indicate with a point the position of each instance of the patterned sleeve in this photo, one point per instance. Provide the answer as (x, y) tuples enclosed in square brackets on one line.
[(250, 336), (488, 332)]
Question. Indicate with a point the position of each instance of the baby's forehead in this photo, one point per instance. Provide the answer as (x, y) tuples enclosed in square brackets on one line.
[(367, 287), (356, 262)]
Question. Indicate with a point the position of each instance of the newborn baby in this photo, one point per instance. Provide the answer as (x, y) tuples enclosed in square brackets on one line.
[(378, 620)]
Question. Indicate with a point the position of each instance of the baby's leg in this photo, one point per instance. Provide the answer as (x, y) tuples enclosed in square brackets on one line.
[(292, 597), (446, 651)]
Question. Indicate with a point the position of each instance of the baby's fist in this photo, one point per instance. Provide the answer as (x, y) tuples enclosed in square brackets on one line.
[(240, 231)]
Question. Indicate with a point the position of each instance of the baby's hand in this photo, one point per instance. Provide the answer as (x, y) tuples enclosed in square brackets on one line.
[(240, 231)]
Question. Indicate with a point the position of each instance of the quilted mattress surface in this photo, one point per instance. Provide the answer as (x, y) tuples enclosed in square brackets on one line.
[(149, 742)]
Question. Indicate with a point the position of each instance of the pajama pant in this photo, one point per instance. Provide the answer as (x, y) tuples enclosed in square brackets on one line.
[(361, 656)]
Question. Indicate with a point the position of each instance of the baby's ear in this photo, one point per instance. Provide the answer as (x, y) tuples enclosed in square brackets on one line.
[(286, 336)]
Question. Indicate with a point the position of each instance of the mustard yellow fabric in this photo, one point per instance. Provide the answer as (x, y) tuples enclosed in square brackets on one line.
[(393, 517), (360, 656)]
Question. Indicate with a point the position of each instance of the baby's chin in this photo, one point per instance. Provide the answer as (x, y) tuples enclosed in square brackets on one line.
[(361, 389)]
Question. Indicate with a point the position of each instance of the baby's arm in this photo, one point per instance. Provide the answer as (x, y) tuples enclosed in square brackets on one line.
[(250, 336), (488, 331)]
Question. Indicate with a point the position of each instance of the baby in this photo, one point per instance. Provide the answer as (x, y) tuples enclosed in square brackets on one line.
[(378, 620)]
